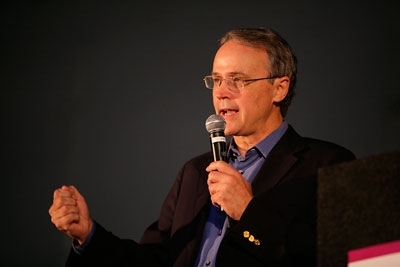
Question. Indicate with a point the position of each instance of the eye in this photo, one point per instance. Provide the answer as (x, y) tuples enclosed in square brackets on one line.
[(237, 79), (216, 80)]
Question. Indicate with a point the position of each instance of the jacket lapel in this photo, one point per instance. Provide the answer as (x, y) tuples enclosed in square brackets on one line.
[(278, 162)]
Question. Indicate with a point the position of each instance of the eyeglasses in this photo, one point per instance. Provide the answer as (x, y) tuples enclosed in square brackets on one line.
[(233, 83)]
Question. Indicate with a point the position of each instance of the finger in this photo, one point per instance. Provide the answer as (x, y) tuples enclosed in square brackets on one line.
[(63, 210), (62, 199), (62, 191), (75, 192), (212, 178), (64, 223), (216, 201), (219, 180), (60, 207), (67, 190), (222, 167), (217, 166)]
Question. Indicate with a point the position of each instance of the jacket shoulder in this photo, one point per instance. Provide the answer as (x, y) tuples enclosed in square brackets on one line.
[(315, 146), (199, 160)]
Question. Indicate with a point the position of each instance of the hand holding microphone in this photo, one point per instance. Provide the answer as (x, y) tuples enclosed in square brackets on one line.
[(229, 190)]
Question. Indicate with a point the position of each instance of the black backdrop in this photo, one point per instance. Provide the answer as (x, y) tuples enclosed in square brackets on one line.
[(109, 96)]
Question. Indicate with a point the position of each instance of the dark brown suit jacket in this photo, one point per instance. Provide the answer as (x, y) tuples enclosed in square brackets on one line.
[(278, 228)]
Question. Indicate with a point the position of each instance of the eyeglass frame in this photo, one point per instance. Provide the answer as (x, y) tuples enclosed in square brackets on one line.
[(244, 82)]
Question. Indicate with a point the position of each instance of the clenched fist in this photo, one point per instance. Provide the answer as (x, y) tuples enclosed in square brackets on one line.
[(70, 213)]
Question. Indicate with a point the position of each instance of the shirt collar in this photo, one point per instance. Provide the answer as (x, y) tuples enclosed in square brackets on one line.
[(264, 146)]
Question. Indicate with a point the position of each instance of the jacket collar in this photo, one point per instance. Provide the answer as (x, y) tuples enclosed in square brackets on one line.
[(279, 161)]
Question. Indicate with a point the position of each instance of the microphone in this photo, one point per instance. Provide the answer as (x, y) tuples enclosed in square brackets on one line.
[(215, 126)]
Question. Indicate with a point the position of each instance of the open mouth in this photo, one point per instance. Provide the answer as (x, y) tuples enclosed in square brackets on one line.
[(228, 112)]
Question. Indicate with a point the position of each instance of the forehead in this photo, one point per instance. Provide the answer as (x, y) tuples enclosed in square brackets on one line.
[(236, 57)]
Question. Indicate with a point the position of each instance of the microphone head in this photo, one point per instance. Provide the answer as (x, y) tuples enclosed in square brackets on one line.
[(215, 123)]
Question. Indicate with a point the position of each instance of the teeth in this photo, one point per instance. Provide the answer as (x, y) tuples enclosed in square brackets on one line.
[(227, 111)]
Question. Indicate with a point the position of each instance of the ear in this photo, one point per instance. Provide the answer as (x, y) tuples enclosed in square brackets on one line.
[(281, 87)]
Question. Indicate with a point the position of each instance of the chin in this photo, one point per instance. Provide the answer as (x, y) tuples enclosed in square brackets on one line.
[(228, 132)]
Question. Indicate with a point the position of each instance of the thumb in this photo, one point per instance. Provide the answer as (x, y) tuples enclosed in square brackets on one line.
[(84, 223), (75, 193), (80, 200)]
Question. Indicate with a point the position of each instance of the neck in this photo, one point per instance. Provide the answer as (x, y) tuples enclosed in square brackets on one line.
[(244, 143)]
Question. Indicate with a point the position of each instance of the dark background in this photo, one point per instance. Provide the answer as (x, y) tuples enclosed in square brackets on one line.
[(109, 96)]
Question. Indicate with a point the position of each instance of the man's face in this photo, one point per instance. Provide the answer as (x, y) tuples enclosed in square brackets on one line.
[(249, 111)]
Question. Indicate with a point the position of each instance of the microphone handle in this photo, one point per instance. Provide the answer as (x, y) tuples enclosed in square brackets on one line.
[(218, 145)]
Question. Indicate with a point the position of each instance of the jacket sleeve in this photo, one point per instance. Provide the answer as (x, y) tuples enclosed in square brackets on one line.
[(106, 249), (170, 240)]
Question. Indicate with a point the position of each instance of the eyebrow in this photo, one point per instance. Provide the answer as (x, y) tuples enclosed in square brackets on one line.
[(230, 73)]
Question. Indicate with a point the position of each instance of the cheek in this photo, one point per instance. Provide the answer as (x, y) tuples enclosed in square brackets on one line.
[(261, 105), (215, 102), (264, 98)]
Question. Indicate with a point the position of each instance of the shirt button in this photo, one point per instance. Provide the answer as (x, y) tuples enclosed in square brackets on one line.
[(208, 263)]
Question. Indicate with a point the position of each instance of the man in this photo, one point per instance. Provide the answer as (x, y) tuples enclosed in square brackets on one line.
[(256, 209)]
